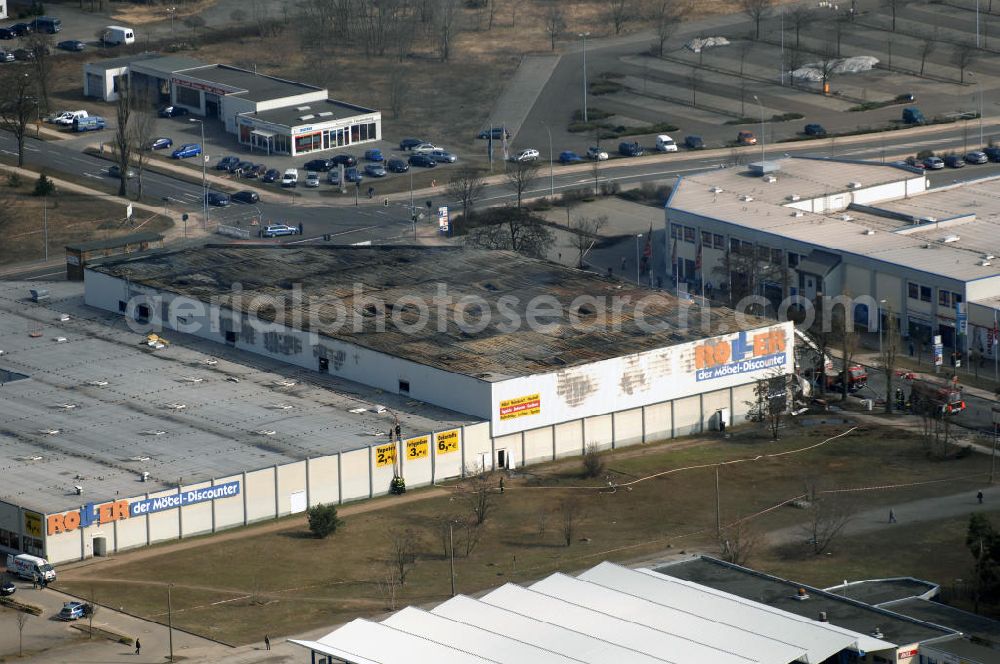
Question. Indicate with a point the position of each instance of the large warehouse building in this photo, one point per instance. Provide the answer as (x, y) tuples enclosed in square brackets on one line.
[(266, 113), (846, 227), (501, 368)]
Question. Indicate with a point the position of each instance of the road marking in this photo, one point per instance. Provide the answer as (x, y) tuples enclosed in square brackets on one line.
[(96, 177), (347, 232), (9, 152), (47, 274)]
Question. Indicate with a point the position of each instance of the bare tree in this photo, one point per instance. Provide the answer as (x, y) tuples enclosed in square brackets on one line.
[(91, 613), (619, 13), (585, 234), (595, 173), (848, 346), (770, 401), (123, 139), (22, 620), (666, 17), (800, 17), (841, 24), (593, 462), (466, 184), (447, 15), (143, 130), (403, 545), (569, 512), (513, 229), (399, 89), (555, 22), (964, 56), (388, 583), (894, 6), (195, 22), (17, 106), (40, 45), (827, 64), (480, 493), (827, 519), (889, 348), (756, 10), (738, 542), (694, 78), (521, 175), (928, 44)]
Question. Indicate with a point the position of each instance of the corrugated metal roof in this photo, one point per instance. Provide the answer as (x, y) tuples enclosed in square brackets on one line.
[(364, 642)]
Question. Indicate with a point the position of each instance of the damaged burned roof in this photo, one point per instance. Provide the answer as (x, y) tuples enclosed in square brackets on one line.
[(343, 292)]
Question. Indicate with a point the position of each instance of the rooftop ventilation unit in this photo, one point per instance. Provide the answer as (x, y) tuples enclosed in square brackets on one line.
[(798, 213), (877, 633), (144, 477), (869, 232), (78, 490), (985, 263), (716, 190), (801, 595), (854, 185), (770, 179), (988, 257), (794, 197), (325, 114), (928, 220), (746, 198), (306, 117), (846, 217), (302, 108), (951, 238), (822, 617)]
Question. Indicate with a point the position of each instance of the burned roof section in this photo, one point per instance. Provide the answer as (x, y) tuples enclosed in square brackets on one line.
[(488, 314)]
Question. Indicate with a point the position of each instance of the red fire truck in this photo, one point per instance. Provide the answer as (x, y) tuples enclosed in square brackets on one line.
[(936, 397)]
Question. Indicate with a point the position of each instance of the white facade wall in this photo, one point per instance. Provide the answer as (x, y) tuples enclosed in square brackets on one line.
[(230, 107), (99, 82)]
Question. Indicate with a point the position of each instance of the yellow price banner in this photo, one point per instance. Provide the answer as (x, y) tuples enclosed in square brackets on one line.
[(33, 524), (530, 404), (385, 455), (417, 448), (446, 441)]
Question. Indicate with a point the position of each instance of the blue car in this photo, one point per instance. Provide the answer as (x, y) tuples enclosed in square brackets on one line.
[(569, 157), (352, 175), (186, 150), (161, 143), (374, 155)]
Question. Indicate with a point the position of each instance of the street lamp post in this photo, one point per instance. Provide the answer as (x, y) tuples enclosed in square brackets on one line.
[(172, 11), (637, 238), (170, 623), (584, 35), (204, 174), (762, 159), (552, 182)]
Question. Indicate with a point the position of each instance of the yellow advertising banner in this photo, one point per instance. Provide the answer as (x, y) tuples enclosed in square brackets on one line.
[(33, 524), (446, 442), (385, 455), (520, 406), (417, 448)]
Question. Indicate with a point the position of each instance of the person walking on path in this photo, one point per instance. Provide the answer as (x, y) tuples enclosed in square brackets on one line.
[(501, 485), (892, 516), (137, 646), (267, 642), (979, 497)]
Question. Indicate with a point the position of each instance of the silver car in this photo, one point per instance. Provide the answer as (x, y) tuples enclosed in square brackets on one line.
[(312, 179), (442, 156)]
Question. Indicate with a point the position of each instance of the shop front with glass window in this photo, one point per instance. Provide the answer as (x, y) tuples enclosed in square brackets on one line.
[(276, 139)]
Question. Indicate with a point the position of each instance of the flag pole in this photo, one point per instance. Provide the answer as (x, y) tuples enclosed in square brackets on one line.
[(995, 346)]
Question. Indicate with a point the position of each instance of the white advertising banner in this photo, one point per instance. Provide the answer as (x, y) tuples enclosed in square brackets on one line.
[(632, 381)]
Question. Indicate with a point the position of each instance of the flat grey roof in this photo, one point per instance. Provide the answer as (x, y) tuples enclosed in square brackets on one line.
[(968, 651), (331, 278), (257, 87), (782, 594), (122, 61), (878, 591), (969, 624), (322, 111), (108, 436), (168, 64)]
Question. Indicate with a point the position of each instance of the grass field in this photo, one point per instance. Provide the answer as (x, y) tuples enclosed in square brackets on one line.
[(286, 581)]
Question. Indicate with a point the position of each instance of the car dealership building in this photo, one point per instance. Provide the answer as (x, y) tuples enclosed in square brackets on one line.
[(266, 113)]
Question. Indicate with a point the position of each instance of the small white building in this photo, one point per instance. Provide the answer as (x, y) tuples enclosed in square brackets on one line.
[(3, 8)]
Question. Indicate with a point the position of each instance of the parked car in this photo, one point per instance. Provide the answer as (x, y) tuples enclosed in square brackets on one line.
[(160, 143), (274, 230), (243, 168), (353, 175), (7, 56), (410, 143), (116, 172), (347, 160), (375, 170), (21, 29), (933, 163), (186, 150), (290, 178), (397, 166), (814, 129), (46, 25), (245, 196), (7, 33), (424, 148), (74, 611), (173, 111), (665, 144), (912, 115), (333, 177), (497, 133), (253, 171), (271, 175), (596, 153), (912, 161), (906, 97), (318, 165), (530, 154), (374, 155), (422, 160), (71, 45), (65, 118), (976, 157), (694, 143), (568, 157), (218, 199), (90, 123), (23, 54), (7, 588), (443, 156), (992, 153), (312, 179), (746, 138), (630, 149), (227, 162), (954, 161)]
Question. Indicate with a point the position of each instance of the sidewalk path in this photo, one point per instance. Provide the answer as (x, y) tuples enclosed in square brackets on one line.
[(522, 90)]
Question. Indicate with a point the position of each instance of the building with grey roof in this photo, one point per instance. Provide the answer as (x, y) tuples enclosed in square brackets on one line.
[(924, 256), (266, 113)]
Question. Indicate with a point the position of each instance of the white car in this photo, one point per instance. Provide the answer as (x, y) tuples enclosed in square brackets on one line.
[(290, 178), (424, 148), (530, 154), (665, 144), (596, 153), (312, 180)]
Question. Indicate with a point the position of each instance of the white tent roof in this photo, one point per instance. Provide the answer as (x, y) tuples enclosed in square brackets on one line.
[(707, 631), (470, 638), (605, 626), (364, 642), (578, 645), (822, 636)]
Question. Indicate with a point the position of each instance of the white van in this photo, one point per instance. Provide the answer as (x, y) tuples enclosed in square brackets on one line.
[(116, 35), (66, 117), (30, 567), (665, 144), (290, 178)]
